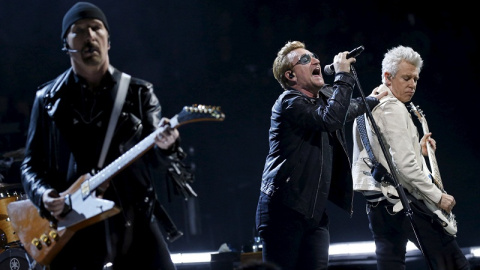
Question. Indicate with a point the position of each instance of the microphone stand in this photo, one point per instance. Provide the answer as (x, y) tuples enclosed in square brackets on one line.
[(394, 180)]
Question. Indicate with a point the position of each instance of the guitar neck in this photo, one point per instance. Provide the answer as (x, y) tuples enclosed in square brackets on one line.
[(189, 114), (432, 159), (127, 158)]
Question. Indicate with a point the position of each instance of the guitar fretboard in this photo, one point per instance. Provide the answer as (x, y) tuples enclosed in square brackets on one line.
[(431, 153), (127, 158)]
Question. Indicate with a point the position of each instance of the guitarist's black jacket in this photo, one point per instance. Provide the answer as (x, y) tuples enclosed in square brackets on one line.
[(60, 146)]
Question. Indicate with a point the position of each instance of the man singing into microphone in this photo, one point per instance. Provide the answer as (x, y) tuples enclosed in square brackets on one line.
[(307, 162), (69, 123)]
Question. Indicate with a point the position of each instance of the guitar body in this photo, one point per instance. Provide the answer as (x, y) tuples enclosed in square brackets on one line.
[(448, 220), (85, 210), (32, 228), (42, 238)]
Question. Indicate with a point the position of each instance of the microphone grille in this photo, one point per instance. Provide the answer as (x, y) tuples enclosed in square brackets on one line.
[(329, 70)]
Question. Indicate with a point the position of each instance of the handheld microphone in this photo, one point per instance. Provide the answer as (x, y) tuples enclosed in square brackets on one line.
[(329, 70)]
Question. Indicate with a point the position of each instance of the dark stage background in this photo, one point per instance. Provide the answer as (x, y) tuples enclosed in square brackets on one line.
[(220, 53)]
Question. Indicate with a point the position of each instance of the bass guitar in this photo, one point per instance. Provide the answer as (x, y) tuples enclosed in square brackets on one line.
[(448, 219), (43, 238)]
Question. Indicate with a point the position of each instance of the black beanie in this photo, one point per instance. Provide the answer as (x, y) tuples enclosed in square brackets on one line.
[(82, 10)]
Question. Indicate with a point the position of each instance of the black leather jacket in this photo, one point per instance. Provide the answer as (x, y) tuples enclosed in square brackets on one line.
[(48, 160), (308, 160)]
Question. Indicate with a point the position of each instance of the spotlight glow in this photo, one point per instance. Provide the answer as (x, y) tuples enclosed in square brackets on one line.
[(201, 257)]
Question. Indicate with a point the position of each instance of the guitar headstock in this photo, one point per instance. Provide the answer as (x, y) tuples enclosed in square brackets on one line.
[(199, 112), (417, 111)]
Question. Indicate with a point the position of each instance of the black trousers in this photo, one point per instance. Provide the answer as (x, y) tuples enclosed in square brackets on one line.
[(391, 231), (290, 240)]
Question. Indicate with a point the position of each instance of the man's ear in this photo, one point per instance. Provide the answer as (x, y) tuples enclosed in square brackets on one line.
[(388, 78), (289, 74)]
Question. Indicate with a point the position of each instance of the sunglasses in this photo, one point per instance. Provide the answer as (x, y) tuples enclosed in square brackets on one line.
[(306, 59)]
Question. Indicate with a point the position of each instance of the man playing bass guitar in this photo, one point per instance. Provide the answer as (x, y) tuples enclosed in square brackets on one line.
[(389, 224)]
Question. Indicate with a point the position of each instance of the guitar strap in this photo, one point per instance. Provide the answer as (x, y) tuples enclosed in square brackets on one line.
[(121, 89), (363, 135), (379, 172)]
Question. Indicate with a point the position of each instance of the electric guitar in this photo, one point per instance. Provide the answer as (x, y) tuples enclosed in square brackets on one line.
[(448, 219), (43, 238)]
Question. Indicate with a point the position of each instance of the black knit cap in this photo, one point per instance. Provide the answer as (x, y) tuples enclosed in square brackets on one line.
[(82, 10)]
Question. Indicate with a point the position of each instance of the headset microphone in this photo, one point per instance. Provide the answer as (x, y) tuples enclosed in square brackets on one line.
[(65, 49)]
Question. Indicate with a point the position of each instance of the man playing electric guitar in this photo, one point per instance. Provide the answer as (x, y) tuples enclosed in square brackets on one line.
[(69, 123), (389, 224)]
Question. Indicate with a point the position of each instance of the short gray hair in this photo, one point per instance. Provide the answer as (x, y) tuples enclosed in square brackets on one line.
[(398, 54)]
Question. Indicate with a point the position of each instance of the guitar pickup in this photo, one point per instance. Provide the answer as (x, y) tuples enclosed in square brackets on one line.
[(68, 205), (85, 189)]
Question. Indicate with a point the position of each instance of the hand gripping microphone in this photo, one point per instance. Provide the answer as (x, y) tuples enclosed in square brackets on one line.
[(329, 70)]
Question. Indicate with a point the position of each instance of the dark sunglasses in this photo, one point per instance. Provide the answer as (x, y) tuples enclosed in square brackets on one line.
[(306, 58)]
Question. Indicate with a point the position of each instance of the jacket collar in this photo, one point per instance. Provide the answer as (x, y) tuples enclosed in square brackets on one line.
[(52, 96)]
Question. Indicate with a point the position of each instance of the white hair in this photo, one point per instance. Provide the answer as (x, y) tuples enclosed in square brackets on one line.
[(398, 54)]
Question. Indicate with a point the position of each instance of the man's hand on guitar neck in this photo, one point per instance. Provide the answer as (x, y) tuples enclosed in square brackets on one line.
[(423, 143), (447, 202), (168, 137)]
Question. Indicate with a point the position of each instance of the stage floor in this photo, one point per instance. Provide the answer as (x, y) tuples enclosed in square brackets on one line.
[(231, 260)]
